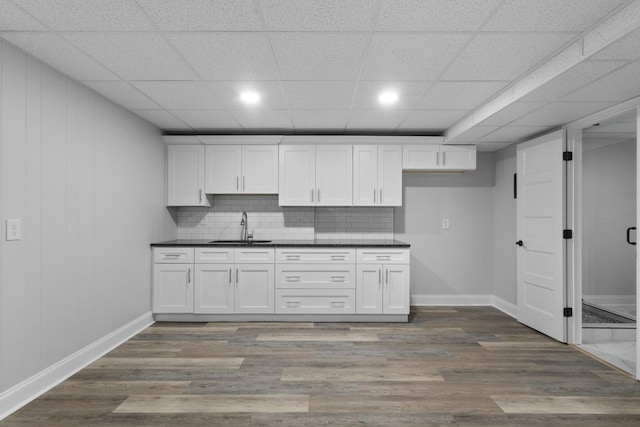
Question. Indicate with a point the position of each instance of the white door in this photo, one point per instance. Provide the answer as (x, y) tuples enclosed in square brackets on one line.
[(460, 157), (259, 169), (390, 175), (365, 175), (214, 288), (255, 285), (540, 244), (396, 289), (173, 288), (185, 175), (297, 175), (369, 289), (334, 175), (223, 171)]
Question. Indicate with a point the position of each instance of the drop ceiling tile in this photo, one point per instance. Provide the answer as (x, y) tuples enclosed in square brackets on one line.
[(560, 113), (329, 95), (227, 56), (574, 78), (627, 48), (181, 95), (474, 134), (318, 56), (124, 94), (82, 15), (134, 56), (12, 18), (314, 15), (255, 120), (503, 56), (395, 56), (320, 120), (459, 95), (549, 15), (61, 55), (409, 94), (512, 112), (620, 85), (512, 134), (163, 119), (207, 119), (434, 15), (431, 119), (380, 120), (227, 94), (202, 15)]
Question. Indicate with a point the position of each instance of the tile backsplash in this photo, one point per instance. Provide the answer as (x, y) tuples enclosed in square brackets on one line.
[(269, 221)]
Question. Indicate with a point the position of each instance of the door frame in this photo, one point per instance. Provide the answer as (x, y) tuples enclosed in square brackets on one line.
[(573, 212)]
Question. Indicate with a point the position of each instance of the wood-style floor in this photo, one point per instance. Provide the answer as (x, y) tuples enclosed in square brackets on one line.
[(449, 366)]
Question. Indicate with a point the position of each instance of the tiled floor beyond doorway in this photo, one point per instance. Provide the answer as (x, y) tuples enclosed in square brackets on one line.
[(449, 366)]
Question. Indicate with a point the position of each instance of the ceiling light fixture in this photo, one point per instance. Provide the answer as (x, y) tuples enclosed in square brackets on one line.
[(250, 98), (388, 97)]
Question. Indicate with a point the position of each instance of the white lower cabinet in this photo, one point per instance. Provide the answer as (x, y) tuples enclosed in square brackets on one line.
[(173, 280), (254, 288), (215, 290), (382, 288)]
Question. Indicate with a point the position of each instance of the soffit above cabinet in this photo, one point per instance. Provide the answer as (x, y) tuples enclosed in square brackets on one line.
[(301, 139)]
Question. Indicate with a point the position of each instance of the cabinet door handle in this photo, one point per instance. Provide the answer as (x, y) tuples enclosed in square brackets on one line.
[(243, 182), (237, 183), (444, 158), (236, 278), (374, 196), (437, 158), (312, 195), (229, 276), (318, 198), (200, 195), (380, 199), (380, 278), (188, 276)]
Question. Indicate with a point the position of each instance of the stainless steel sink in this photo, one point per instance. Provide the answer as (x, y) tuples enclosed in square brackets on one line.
[(239, 242)]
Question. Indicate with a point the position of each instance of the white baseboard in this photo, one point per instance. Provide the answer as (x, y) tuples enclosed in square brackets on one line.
[(23, 393), (467, 299)]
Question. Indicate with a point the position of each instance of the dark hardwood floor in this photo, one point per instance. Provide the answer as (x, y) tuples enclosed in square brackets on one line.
[(457, 366)]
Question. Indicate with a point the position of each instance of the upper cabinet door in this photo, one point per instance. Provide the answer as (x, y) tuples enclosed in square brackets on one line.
[(185, 176), (334, 175), (297, 175), (259, 169), (224, 169), (457, 157), (365, 175), (389, 175), (420, 157)]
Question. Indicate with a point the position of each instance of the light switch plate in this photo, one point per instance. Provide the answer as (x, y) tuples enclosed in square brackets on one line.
[(13, 229)]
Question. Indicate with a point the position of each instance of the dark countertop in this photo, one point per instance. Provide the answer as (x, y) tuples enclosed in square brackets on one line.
[(357, 243)]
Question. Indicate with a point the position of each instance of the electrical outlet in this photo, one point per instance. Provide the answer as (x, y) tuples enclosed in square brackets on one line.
[(445, 224), (13, 229)]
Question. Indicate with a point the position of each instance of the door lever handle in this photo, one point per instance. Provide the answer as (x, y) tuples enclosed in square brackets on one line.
[(520, 243), (629, 236)]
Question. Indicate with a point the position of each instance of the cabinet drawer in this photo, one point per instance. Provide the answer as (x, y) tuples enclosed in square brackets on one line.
[(315, 301), (394, 256), (312, 256), (315, 276), (215, 255), (255, 255), (173, 255)]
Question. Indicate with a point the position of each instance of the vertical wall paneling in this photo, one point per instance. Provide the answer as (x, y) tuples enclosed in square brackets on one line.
[(86, 178), (14, 301)]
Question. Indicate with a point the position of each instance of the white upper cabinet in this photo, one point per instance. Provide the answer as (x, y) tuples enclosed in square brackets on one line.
[(316, 175), (377, 172), (238, 169), (185, 176), (439, 157)]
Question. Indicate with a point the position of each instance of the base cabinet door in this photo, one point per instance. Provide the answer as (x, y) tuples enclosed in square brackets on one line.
[(254, 288), (173, 288), (369, 289), (396, 289), (214, 290)]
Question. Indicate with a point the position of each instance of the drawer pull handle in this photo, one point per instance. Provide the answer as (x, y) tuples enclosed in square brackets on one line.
[(293, 278), (384, 257), (337, 257), (173, 255), (337, 304), (292, 304), (338, 278), (292, 257)]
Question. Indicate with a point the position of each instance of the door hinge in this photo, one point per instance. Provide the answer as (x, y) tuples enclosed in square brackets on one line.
[(568, 312), (567, 234), (567, 156), (515, 185)]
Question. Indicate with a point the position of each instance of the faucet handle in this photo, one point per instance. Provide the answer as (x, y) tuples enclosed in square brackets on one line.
[(250, 235)]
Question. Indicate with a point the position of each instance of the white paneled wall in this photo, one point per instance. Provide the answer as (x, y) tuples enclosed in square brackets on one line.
[(86, 178), (269, 221)]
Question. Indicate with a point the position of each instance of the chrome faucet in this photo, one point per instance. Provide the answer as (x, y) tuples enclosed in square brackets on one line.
[(245, 226)]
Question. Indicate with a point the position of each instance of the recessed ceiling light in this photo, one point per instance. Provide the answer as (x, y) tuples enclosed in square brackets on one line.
[(388, 97), (250, 97)]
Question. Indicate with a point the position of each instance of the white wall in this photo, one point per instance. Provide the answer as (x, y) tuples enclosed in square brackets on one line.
[(451, 266), (504, 228), (87, 180), (609, 200)]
